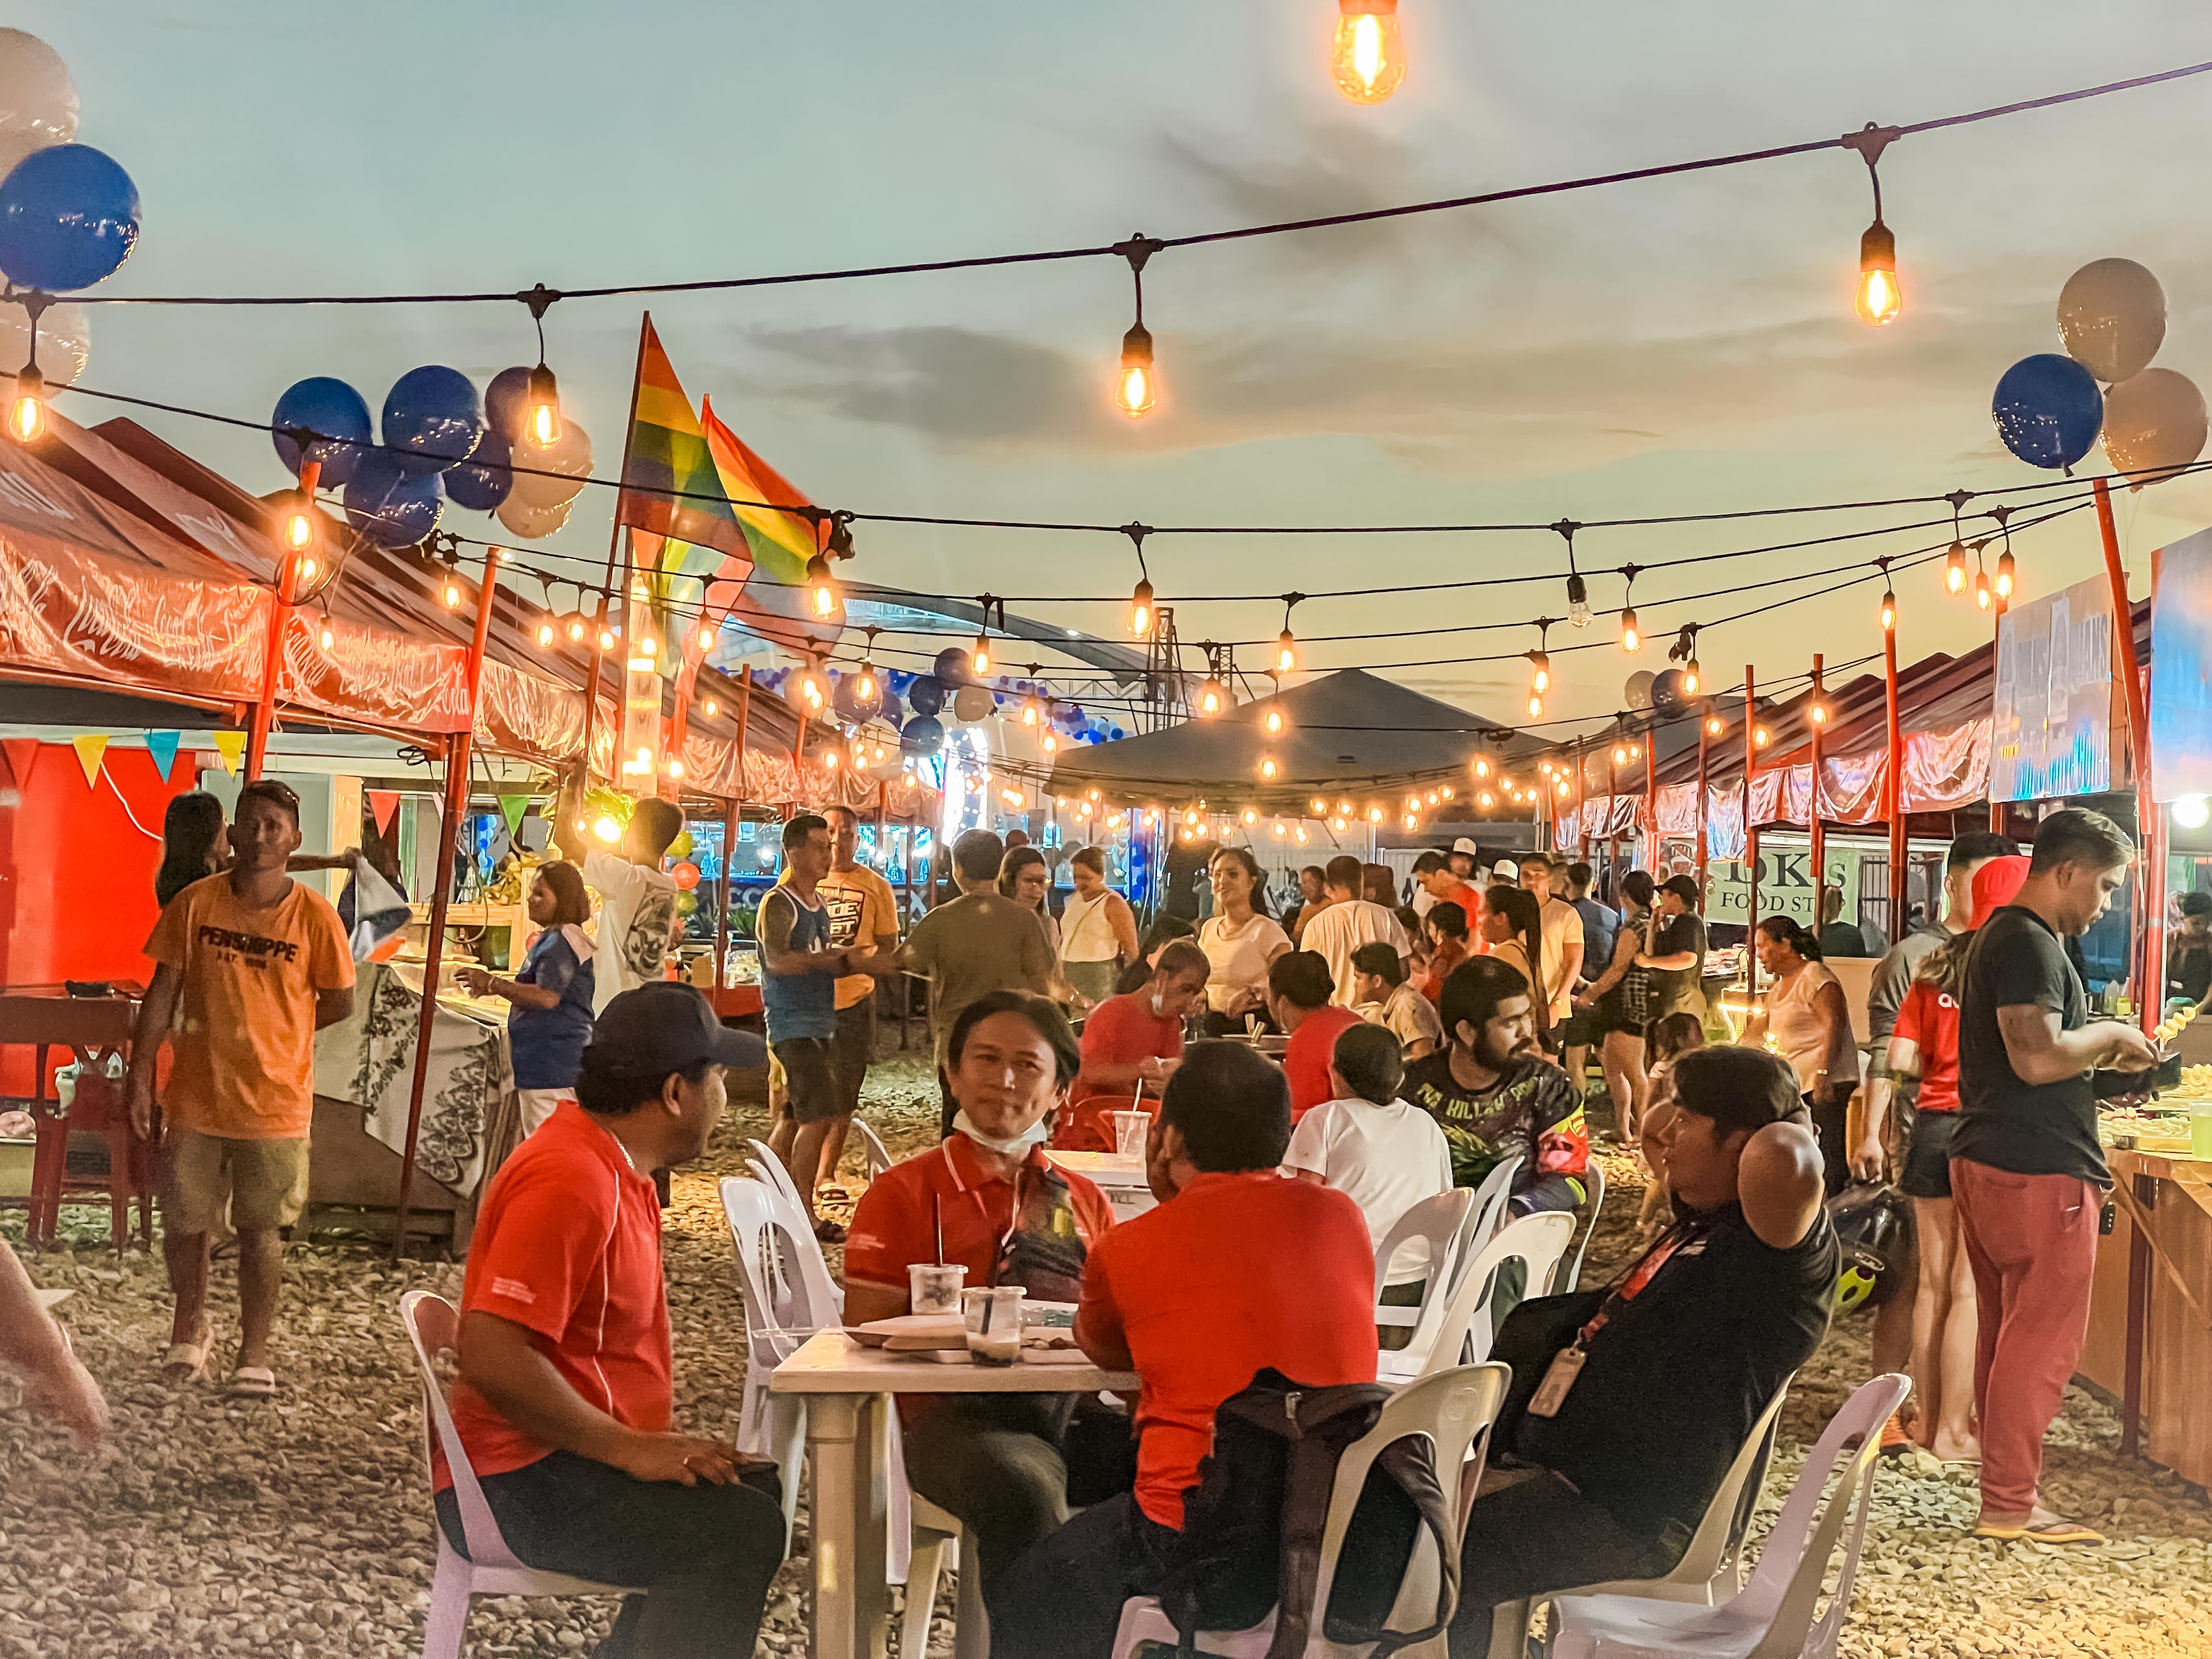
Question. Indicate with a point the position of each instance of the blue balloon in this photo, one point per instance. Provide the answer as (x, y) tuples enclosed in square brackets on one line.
[(329, 407), (926, 696), (891, 710), (503, 402), (388, 506), (69, 216), (922, 736), (1115, 734), (2048, 410), (952, 666), (432, 419), (481, 482)]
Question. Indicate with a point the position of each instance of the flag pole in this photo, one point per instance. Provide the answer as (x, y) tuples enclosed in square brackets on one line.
[(614, 546)]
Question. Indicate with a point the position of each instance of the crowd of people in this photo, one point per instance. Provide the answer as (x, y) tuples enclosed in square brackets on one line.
[(1308, 1086)]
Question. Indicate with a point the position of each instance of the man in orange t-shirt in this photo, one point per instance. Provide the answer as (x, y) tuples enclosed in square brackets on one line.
[(248, 966)]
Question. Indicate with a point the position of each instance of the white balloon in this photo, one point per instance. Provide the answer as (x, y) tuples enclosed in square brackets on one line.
[(532, 523), (569, 460), (1637, 691), (38, 100), (2111, 315), (64, 343), (971, 704), (2153, 423)]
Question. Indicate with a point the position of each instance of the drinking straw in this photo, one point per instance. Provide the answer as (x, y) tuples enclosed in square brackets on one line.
[(937, 1215)]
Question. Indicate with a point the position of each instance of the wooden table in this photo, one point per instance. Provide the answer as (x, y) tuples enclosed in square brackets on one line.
[(2145, 1343), (1120, 1176), (846, 1387), (95, 1030)]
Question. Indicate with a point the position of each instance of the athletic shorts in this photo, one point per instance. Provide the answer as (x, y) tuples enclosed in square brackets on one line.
[(260, 1184), (1580, 1029), (852, 1049), (1927, 1171), (810, 1078)]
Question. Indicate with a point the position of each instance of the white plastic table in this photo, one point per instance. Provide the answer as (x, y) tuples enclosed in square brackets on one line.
[(1120, 1176), (846, 1385)]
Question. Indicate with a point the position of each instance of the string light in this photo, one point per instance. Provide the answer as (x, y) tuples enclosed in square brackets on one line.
[(1479, 767), (1540, 669), (1981, 589), (822, 588), (608, 636), (709, 707), (26, 407), (329, 637), (1760, 737), (578, 626), (2005, 569), (1137, 386), (1267, 767), (1954, 561), (979, 657), (1578, 605), (1888, 609), (1272, 720), (1620, 754), (541, 408), (1212, 696), (1367, 57), (453, 595), (1715, 726), (1879, 299), (1344, 809), (1250, 817), (1486, 800), (1286, 645), (1320, 807), (1048, 743), (1820, 714), (1632, 636), (1375, 815), (546, 633), (299, 517)]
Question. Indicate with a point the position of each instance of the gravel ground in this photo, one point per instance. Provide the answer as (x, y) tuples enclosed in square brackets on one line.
[(303, 1527)]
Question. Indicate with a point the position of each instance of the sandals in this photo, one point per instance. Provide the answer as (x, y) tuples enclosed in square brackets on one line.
[(187, 1362), (253, 1383), (2053, 1532)]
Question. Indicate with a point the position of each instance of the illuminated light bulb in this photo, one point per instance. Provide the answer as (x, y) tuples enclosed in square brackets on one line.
[(2004, 575), (26, 410), (606, 639), (1820, 714), (1279, 830), (1375, 815), (577, 629), (1190, 815), (675, 767), (706, 639), (1620, 754), (1715, 726), (607, 829), (1344, 809), (1339, 823), (1691, 677), (1954, 569), (1888, 611), (829, 759), (1545, 767), (979, 658), (1446, 792), (1636, 751), (710, 707), (1879, 299), (1560, 788), (1030, 711), (1535, 706), (299, 526), (1412, 803), (1299, 833), (328, 638), (1137, 386), (866, 688), (1481, 768), (1095, 795), (1050, 744), (1273, 722), (1631, 637), (541, 408), (1141, 614), (546, 633), (2192, 811), (1539, 672), (1212, 698), (1267, 767), (1286, 653), (1760, 738), (1981, 589), (1486, 800), (308, 568), (1413, 820), (821, 597), (1250, 817), (1432, 798), (1367, 58)]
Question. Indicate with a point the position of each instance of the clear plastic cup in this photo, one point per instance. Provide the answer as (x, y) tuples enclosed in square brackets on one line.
[(933, 1287), (1130, 1129), (993, 1317)]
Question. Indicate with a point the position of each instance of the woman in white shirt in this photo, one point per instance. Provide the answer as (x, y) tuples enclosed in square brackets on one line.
[(1806, 1020), (1240, 938), (1097, 930), (1383, 1154)]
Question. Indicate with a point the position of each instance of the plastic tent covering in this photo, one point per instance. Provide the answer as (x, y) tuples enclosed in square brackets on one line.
[(1349, 731)]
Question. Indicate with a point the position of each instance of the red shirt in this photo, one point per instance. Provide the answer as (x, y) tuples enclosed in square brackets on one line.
[(1470, 906), (1306, 1056), (567, 1245), (895, 1223), (1235, 1274), (1930, 1018), (1120, 1031)]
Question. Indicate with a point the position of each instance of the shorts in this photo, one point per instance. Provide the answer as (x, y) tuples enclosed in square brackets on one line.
[(810, 1078), (261, 1184), (1927, 1169), (1580, 1029), (538, 1104), (851, 1051)]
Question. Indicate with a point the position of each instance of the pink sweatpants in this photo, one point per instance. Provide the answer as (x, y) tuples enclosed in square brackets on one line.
[(2031, 1241)]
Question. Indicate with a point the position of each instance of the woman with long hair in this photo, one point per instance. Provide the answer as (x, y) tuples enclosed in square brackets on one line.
[(1808, 1023), (1924, 1043), (1240, 938), (1026, 879), (1445, 929), (1513, 924), (1620, 998), (549, 1023), (194, 844)]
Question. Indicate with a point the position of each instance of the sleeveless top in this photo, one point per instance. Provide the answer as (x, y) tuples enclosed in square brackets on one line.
[(1794, 1024), (1085, 934)]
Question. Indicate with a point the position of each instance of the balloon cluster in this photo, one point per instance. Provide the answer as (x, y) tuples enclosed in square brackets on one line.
[(440, 442), (2049, 409), (915, 706), (68, 214)]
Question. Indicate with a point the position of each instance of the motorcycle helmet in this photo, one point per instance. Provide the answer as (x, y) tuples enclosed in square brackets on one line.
[(1873, 1225)]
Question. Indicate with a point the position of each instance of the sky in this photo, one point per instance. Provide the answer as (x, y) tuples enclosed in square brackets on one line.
[(1677, 346)]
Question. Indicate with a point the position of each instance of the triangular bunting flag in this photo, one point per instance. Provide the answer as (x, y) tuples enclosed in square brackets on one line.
[(384, 802), (89, 748), (162, 746), (512, 807), (231, 746), (23, 755)]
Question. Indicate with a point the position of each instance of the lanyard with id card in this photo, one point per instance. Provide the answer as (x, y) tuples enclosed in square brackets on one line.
[(1567, 1365)]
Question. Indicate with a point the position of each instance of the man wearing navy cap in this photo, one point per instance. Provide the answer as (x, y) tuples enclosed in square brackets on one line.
[(566, 1389)]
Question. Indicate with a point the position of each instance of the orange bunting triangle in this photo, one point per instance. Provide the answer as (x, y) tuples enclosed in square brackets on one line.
[(23, 755), (384, 802)]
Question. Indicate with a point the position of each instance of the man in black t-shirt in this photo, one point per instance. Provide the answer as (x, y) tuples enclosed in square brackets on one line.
[(2027, 1173), (1677, 957), (1608, 1477)]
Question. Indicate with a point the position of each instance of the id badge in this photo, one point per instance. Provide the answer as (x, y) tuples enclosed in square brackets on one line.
[(1551, 1393)]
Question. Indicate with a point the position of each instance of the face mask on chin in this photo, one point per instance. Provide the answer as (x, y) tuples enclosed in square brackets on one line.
[(1017, 1145)]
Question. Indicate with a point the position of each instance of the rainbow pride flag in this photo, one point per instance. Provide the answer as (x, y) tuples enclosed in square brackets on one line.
[(781, 541)]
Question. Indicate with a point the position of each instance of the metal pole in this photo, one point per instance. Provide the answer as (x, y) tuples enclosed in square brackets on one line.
[(1651, 805), (614, 545), (280, 618), (732, 812), (2151, 929), (1703, 732), (1894, 793), (442, 893), (1750, 833), (1997, 808), (1612, 790), (1581, 801), (1816, 831), (745, 720)]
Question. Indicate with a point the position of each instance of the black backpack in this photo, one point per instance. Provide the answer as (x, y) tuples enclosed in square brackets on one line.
[(1251, 1525)]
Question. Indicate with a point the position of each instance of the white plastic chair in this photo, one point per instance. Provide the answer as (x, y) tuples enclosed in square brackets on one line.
[(1450, 1409), (808, 1259), (879, 1156), (770, 1168), (1442, 1223), (1490, 1199), (490, 1568), (1771, 1617), (1466, 1327), (1568, 1276)]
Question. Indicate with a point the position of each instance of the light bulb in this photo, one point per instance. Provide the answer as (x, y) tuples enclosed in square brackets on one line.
[(979, 658), (1481, 769), (648, 646), (1029, 711), (2192, 812), (1286, 653), (1337, 823), (1375, 815), (1636, 751), (1879, 299), (1579, 609), (1267, 767), (1367, 58), (1344, 809), (1888, 609), (1535, 706), (1279, 830), (1560, 788), (830, 758), (1691, 678), (2004, 575), (328, 638), (821, 587), (1620, 754), (26, 410), (1539, 672), (606, 639), (1136, 387), (1095, 795), (541, 411), (1760, 738), (1412, 820), (706, 639), (1981, 589), (675, 767), (452, 596), (1212, 698), (607, 829), (1715, 726), (577, 629), (1049, 744), (1954, 567), (710, 707), (545, 632), (308, 568), (298, 526), (1446, 792), (1820, 714), (1250, 817), (1486, 800), (1141, 611), (1631, 637)]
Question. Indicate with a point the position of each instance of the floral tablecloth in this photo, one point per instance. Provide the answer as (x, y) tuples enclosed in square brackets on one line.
[(470, 1111)]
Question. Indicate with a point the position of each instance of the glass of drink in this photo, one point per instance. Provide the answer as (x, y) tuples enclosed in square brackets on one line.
[(993, 1317), (2200, 1128), (933, 1287), (1130, 1129)]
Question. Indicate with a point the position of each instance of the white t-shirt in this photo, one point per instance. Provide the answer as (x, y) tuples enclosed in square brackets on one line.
[(637, 911), (1385, 1158), (1338, 930), (1563, 926), (1239, 955)]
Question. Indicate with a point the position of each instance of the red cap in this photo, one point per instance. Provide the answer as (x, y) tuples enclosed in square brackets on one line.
[(1995, 884)]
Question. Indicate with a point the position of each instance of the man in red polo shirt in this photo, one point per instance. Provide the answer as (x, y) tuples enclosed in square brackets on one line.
[(1298, 990), (564, 1396), (1236, 1271)]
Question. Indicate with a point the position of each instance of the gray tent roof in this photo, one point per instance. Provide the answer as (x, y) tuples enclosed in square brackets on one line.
[(1346, 732)]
